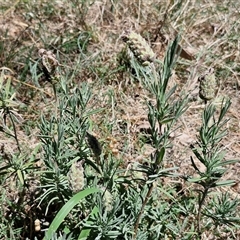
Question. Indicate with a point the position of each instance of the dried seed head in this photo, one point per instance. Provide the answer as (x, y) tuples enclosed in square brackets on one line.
[(49, 61), (76, 176), (113, 145), (41, 51), (208, 85), (140, 48), (107, 198)]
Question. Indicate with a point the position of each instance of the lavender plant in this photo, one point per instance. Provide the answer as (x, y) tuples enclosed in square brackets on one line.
[(209, 152)]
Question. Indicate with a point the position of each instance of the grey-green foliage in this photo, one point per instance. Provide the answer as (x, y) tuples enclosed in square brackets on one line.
[(111, 224), (209, 152), (59, 236), (165, 219), (63, 141), (8, 108), (142, 207), (153, 222), (166, 109), (222, 211), (7, 228), (208, 149)]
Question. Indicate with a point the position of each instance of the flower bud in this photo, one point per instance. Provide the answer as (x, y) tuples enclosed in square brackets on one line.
[(208, 85), (107, 198), (140, 48), (76, 176)]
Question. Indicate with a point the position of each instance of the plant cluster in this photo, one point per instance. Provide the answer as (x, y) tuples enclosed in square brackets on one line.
[(74, 185)]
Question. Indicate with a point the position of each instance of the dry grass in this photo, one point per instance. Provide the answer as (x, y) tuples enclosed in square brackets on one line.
[(210, 38)]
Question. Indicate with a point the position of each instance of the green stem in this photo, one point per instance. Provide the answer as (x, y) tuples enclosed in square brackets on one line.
[(201, 201), (14, 129), (150, 189)]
